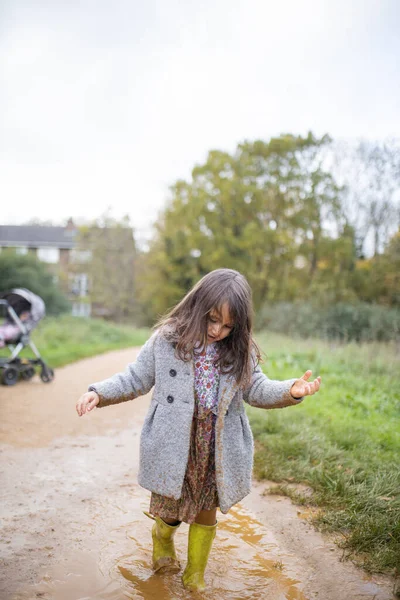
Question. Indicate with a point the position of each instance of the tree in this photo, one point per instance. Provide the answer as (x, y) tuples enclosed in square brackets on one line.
[(301, 204), (254, 211), (336, 278), (369, 172), (381, 164), (385, 274), (111, 266)]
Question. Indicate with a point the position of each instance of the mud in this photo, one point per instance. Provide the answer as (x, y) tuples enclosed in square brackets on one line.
[(72, 523)]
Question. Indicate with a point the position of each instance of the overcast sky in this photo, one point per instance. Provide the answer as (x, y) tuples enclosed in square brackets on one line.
[(108, 103)]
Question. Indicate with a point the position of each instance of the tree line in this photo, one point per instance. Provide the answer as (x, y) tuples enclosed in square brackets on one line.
[(313, 223), (304, 218)]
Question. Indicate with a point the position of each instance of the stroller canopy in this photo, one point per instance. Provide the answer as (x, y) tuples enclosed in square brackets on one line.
[(22, 299)]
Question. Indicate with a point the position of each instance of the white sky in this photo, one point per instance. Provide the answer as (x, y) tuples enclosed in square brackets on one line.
[(105, 104)]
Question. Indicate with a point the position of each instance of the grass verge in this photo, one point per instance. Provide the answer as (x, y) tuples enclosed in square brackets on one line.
[(66, 339), (344, 442)]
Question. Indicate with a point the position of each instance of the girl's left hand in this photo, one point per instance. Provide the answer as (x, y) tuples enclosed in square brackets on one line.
[(303, 387)]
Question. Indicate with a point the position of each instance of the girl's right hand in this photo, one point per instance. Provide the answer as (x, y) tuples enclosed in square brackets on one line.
[(87, 402)]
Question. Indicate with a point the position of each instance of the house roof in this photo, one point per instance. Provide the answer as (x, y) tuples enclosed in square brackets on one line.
[(37, 236)]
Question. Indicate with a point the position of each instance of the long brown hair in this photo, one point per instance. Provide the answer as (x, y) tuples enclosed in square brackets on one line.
[(186, 324)]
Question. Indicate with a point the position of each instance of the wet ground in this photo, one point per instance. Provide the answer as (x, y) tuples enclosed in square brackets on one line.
[(72, 523)]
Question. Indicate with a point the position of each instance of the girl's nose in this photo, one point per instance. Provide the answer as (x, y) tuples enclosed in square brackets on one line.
[(215, 330)]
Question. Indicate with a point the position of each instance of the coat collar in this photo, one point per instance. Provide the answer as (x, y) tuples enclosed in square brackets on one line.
[(227, 384)]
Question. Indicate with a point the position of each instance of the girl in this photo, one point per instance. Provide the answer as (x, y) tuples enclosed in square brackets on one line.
[(196, 446)]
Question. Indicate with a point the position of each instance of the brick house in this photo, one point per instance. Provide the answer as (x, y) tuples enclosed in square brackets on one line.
[(55, 246)]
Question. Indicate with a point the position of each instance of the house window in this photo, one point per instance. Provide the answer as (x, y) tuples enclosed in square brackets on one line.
[(49, 255), (80, 284)]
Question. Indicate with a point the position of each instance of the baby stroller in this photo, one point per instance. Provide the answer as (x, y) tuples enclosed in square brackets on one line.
[(23, 311)]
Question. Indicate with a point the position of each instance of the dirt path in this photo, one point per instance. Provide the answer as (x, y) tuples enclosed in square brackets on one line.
[(72, 524)]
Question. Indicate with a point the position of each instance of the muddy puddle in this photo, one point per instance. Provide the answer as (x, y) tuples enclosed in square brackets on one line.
[(82, 513), (243, 565)]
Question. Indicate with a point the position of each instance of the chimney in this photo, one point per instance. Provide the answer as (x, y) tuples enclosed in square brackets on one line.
[(70, 226)]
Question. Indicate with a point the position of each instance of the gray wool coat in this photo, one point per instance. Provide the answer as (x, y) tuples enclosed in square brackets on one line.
[(165, 437)]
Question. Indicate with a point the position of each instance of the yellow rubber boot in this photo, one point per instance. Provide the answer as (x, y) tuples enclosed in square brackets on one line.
[(164, 555), (201, 538)]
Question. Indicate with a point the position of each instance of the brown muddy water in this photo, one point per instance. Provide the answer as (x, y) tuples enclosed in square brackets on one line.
[(73, 526)]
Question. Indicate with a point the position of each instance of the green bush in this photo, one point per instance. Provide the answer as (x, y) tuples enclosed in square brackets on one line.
[(27, 271), (360, 322)]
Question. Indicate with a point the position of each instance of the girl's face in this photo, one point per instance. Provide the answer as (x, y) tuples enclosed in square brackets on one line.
[(219, 325)]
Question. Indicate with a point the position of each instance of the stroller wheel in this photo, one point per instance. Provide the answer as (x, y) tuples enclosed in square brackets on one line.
[(9, 376), (27, 373), (47, 374)]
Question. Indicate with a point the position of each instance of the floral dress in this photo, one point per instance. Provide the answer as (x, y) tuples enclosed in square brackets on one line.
[(199, 490)]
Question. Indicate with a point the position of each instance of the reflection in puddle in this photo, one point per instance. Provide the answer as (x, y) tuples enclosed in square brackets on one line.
[(242, 566)]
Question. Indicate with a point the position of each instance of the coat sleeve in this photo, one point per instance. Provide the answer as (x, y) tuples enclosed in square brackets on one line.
[(269, 393), (137, 379)]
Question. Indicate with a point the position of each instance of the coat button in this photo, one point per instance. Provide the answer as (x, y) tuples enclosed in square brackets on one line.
[(172, 373), (170, 399)]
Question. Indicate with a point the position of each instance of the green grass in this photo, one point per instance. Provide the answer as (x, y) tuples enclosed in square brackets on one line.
[(344, 442), (66, 339)]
